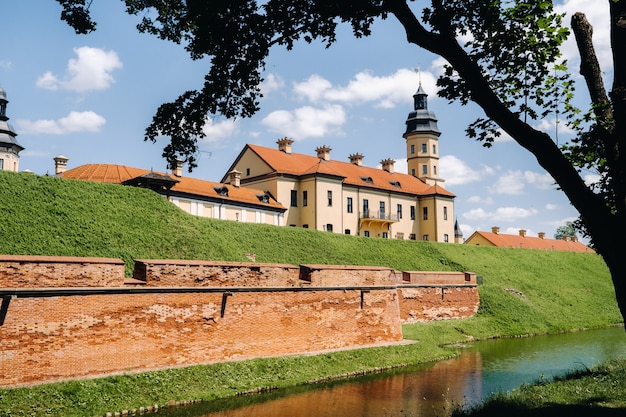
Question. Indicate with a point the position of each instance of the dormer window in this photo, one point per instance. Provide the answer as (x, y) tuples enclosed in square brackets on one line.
[(263, 198), (395, 184), (367, 180), (221, 191)]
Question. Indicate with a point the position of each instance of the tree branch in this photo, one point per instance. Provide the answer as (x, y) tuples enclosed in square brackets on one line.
[(590, 67), (590, 206)]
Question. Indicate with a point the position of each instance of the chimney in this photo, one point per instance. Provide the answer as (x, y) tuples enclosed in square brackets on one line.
[(356, 159), (323, 152), (284, 145), (60, 164), (388, 165), (234, 178), (178, 170), (542, 235), (522, 233), (565, 238), (574, 238), (495, 230)]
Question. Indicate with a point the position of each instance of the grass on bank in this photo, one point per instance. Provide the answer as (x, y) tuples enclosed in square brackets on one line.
[(598, 392), (523, 291)]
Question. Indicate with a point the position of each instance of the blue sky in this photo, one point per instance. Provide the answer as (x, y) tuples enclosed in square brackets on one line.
[(90, 97)]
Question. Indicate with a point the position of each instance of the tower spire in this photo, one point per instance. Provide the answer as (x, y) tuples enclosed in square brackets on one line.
[(9, 155)]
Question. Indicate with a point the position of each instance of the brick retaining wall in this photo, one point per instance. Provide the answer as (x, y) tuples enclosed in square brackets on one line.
[(18, 271), (74, 317)]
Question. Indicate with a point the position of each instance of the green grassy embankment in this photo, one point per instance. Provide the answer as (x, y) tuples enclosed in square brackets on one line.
[(523, 291)]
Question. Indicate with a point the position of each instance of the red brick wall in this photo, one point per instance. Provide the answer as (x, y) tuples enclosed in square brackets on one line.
[(17, 271), (272, 310), (337, 275), (53, 338), (437, 303), (175, 273)]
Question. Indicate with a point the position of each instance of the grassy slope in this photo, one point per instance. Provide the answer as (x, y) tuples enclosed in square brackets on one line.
[(524, 291)]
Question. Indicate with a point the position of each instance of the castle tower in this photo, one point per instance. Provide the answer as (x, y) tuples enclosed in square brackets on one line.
[(422, 141), (9, 148)]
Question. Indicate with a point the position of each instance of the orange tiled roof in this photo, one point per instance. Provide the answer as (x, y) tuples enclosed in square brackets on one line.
[(301, 164), (192, 186), (529, 242)]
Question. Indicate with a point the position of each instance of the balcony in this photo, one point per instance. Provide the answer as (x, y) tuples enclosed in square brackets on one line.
[(371, 217)]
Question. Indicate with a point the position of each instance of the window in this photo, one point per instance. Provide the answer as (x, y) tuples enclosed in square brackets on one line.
[(412, 212), (412, 236), (294, 198), (221, 191), (248, 172), (425, 212), (1, 164), (349, 205), (412, 149), (305, 198), (413, 171), (399, 211), (263, 198), (395, 184), (366, 208), (434, 169), (305, 226), (434, 149), (381, 206), (367, 180), (329, 227), (330, 198), (385, 235), (425, 237), (347, 231), (424, 169), (399, 235), (423, 148), (445, 213), (366, 233), (445, 237)]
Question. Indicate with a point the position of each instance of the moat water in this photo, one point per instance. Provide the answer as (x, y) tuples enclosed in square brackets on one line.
[(482, 368)]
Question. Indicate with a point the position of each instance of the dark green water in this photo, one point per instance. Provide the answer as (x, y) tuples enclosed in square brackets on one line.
[(482, 369)]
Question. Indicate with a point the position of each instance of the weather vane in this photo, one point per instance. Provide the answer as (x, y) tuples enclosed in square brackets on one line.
[(418, 71)]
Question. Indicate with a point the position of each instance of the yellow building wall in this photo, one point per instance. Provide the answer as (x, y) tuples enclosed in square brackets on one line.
[(326, 214), (250, 165), (417, 158), (476, 239)]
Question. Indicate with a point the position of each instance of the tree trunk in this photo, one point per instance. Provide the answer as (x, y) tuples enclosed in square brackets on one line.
[(604, 224)]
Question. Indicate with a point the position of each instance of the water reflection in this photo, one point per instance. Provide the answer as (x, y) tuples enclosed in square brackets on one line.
[(482, 369)]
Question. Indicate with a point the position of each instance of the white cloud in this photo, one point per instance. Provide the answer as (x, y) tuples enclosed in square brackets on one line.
[(456, 172), (384, 91), (514, 182), (5, 65), (86, 121), (551, 207), (505, 214), (591, 178), (313, 89), (90, 71), (476, 199), (551, 127), (271, 83), (510, 183), (305, 122), (220, 130)]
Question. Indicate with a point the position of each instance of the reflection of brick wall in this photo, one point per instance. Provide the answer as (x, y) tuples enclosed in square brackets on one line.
[(181, 313), (65, 271)]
